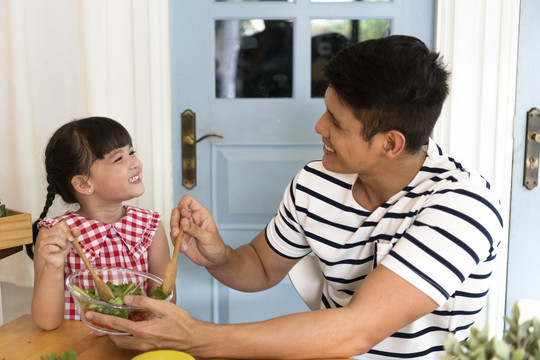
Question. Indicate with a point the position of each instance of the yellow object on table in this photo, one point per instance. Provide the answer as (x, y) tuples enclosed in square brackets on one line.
[(164, 355)]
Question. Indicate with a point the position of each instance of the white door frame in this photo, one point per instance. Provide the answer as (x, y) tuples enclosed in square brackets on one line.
[(479, 42)]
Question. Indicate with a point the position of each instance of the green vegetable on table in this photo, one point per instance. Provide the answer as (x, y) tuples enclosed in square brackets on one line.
[(68, 355), (2, 210)]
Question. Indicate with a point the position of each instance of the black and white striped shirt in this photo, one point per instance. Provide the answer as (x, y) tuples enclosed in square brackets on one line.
[(441, 233)]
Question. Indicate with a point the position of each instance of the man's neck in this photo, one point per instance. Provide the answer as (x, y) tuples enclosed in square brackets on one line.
[(372, 190)]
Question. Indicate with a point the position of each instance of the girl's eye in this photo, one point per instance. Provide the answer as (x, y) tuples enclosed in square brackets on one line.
[(118, 159), (132, 152)]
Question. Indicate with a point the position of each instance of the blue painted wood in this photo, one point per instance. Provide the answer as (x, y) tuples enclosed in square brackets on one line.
[(249, 180), (241, 177), (524, 245)]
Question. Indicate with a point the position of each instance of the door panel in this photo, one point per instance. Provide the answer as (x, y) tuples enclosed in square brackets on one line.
[(239, 171), (268, 133)]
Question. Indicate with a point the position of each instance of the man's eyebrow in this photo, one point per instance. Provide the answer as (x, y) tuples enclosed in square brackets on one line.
[(332, 116)]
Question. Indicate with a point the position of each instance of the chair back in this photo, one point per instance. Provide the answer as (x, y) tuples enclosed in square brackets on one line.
[(307, 278)]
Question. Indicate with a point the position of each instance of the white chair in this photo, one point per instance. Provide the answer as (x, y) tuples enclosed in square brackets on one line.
[(307, 278), (528, 309)]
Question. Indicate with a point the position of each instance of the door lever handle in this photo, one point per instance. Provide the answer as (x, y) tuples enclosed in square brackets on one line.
[(190, 141), (189, 149)]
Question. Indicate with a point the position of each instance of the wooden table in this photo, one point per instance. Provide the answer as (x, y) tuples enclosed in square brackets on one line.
[(21, 339)]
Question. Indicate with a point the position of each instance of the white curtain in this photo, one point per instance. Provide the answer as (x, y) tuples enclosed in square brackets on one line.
[(67, 59)]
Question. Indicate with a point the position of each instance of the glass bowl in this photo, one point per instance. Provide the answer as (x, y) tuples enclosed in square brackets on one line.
[(82, 280)]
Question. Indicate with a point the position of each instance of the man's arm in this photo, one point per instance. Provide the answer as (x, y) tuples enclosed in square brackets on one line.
[(382, 305), (251, 267)]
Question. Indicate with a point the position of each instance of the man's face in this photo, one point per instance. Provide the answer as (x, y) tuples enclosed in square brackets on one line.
[(345, 150)]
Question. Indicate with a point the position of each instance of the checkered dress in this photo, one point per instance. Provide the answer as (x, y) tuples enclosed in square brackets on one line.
[(123, 244)]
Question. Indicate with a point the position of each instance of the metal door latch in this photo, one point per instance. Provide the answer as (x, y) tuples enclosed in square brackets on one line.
[(532, 149), (189, 149)]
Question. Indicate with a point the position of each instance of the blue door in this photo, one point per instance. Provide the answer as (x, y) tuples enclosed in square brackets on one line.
[(250, 71)]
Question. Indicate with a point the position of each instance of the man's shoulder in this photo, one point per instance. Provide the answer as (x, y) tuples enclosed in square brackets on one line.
[(440, 166)]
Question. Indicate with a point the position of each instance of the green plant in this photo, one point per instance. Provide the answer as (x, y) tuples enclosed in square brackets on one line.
[(2, 209), (521, 341), (68, 355)]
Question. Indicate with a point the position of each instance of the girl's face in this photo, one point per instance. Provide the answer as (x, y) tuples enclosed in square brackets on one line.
[(118, 176)]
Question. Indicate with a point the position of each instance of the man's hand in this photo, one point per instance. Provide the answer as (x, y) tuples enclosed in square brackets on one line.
[(202, 243), (170, 328)]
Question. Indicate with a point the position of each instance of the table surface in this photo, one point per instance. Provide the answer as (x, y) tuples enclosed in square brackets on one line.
[(21, 339)]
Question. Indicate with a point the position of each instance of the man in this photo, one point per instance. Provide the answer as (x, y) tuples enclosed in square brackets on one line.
[(405, 235)]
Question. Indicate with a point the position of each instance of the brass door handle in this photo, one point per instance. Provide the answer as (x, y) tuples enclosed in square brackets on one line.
[(190, 140), (189, 149), (532, 149)]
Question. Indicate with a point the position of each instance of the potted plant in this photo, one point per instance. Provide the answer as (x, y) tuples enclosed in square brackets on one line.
[(520, 341)]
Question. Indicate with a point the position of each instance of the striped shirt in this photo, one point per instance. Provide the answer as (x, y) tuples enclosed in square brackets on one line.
[(441, 233), (122, 244)]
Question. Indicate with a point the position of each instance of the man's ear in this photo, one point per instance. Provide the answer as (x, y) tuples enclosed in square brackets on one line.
[(81, 185), (394, 143)]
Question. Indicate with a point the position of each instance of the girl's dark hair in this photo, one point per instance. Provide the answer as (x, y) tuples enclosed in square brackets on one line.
[(71, 151), (391, 83)]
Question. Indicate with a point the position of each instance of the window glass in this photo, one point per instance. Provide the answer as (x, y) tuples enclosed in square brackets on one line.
[(331, 1), (254, 58), (328, 36), (257, 0)]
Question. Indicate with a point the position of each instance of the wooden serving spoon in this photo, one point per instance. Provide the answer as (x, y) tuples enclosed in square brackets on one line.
[(104, 291), (170, 271)]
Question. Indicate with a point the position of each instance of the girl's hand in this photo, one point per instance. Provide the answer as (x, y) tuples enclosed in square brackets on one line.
[(52, 245), (201, 242)]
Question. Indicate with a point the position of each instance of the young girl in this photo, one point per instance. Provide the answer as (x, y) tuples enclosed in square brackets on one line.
[(91, 162)]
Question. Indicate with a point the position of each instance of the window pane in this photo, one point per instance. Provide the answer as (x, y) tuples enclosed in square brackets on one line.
[(330, 36), (254, 58), (257, 0), (330, 1)]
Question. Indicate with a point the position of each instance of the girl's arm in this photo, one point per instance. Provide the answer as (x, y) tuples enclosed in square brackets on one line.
[(159, 256), (52, 247)]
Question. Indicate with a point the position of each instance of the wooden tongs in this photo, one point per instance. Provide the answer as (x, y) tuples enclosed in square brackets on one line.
[(103, 290), (170, 271)]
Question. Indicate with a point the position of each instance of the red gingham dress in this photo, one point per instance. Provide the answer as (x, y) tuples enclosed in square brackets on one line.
[(123, 244)]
